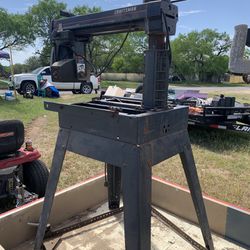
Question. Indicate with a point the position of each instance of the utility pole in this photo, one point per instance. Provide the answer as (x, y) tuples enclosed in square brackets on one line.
[(12, 71)]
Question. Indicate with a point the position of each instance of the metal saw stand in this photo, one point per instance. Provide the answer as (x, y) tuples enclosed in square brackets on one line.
[(131, 135), (134, 141)]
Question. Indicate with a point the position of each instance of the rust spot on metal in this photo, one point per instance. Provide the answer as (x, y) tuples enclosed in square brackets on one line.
[(149, 163), (146, 126)]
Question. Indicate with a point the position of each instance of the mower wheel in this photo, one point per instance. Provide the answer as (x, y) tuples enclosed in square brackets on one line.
[(35, 177)]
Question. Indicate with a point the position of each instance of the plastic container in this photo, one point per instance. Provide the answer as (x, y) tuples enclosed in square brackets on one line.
[(9, 96)]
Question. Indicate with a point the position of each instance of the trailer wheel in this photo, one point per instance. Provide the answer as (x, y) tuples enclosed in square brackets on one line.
[(139, 89), (35, 177), (246, 78)]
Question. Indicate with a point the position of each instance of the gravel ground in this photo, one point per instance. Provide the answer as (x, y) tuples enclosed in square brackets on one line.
[(202, 89), (222, 89)]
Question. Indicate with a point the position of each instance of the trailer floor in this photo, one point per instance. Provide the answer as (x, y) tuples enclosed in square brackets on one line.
[(109, 235)]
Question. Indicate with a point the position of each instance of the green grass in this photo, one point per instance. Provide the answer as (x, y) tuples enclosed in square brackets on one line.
[(208, 84), (126, 84), (120, 84), (222, 160), (27, 110)]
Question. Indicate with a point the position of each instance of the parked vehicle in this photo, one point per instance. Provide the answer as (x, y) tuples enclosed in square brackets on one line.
[(28, 82)]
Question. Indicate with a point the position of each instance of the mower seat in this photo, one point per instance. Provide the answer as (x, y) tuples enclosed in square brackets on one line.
[(11, 136)]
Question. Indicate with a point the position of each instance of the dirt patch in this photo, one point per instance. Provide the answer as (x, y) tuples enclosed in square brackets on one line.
[(43, 133), (35, 127), (66, 97)]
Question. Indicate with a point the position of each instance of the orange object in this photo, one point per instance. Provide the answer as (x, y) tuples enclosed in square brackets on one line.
[(195, 110)]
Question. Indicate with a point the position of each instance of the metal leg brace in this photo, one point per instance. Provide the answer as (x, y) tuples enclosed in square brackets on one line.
[(57, 162), (188, 163)]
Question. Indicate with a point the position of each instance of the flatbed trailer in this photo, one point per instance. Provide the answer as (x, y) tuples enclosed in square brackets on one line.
[(226, 118)]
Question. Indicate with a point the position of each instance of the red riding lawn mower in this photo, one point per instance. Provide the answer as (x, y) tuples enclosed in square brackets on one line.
[(23, 177)]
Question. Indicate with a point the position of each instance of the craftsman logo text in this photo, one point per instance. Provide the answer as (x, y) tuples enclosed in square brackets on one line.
[(125, 10)]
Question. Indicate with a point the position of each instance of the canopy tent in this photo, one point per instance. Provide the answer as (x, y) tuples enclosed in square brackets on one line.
[(4, 55)]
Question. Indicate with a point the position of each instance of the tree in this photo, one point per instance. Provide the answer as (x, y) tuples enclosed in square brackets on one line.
[(4, 71), (33, 62), (131, 57), (42, 15), (15, 30), (20, 68), (84, 9), (44, 54), (102, 50), (201, 55)]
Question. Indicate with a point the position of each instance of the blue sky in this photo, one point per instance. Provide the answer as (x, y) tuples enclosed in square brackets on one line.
[(222, 15)]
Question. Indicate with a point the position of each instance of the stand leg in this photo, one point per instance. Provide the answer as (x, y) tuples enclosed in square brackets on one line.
[(114, 186), (136, 181), (195, 190), (60, 150)]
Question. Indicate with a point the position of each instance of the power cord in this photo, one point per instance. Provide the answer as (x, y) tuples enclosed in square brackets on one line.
[(112, 57)]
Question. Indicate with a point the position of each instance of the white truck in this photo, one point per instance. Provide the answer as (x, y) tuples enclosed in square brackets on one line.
[(28, 82)]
